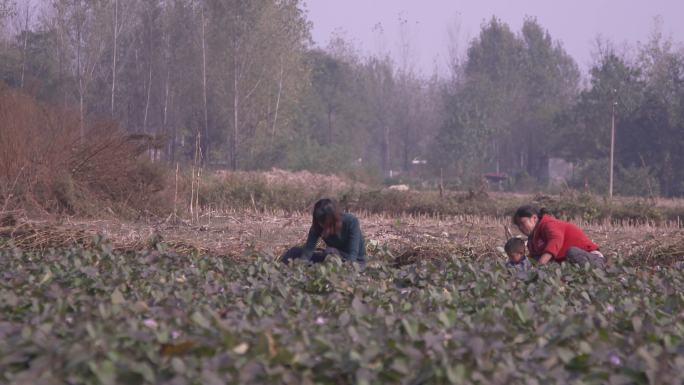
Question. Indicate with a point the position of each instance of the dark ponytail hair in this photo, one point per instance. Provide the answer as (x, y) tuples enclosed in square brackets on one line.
[(528, 211), (325, 210)]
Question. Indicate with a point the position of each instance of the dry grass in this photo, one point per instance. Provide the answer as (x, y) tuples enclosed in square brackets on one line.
[(294, 179), (293, 192)]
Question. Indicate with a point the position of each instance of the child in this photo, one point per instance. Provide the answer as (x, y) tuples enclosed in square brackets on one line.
[(515, 249), (341, 233)]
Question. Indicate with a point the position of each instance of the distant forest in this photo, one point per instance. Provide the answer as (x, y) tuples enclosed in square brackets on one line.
[(240, 85)]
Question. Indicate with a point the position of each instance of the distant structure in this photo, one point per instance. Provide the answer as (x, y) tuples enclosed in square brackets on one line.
[(496, 178), (560, 171)]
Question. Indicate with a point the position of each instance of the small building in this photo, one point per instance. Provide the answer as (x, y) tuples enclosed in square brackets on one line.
[(560, 171)]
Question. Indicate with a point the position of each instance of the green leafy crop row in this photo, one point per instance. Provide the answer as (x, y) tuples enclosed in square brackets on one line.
[(98, 317)]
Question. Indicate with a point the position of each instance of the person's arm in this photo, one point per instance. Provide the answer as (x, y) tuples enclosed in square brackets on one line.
[(545, 258), (310, 245), (554, 237), (354, 240)]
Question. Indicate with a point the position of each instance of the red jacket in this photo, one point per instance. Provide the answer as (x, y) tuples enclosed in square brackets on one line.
[(555, 237)]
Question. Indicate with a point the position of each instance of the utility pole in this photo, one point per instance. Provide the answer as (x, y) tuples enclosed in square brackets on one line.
[(612, 150)]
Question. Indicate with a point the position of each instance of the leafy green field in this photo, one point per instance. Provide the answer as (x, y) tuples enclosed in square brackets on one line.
[(96, 317)]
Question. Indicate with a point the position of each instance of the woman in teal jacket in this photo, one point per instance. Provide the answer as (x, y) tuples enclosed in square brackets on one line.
[(341, 233)]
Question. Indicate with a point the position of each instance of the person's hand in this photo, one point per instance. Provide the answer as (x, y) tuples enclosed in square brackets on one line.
[(545, 258)]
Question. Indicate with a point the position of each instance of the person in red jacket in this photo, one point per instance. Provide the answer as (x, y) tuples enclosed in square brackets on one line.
[(552, 239)]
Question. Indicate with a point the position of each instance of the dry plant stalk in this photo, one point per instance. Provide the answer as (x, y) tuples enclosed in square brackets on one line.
[(195, 176), (175, 195)]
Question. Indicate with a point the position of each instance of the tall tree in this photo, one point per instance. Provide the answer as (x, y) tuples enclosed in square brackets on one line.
[(77, 21), (256, 48), (7, 10), (380, 86), (506, 101)]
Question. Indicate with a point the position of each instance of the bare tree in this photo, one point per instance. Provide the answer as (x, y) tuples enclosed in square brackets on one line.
[(25, 32), (454, 45), (117, 29), (380, 85), (277, 104), (76, 21), (7, 10), (408, 94), (148, 85), (204, 84), (121, 23)]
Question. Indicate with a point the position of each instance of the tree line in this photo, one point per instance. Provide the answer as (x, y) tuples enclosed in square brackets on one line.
[(241, 84)]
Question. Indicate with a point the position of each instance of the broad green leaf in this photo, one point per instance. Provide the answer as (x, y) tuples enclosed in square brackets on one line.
[(117, 297), (200, 320)]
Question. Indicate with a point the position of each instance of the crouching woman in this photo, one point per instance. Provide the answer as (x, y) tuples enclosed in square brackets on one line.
[(340, 232), (550, 239)]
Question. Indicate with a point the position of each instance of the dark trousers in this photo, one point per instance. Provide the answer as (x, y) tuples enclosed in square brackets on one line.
[(317, 257), (578, 256)]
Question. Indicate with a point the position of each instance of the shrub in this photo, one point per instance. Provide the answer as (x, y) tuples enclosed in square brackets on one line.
[(305, 154), (64, 192), (45, 163), (248, 190), (594, 176), (637, 181), (637, 212), (523, 182)]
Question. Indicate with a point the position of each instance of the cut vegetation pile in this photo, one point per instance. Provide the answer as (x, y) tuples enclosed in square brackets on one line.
[(431, 252), (38, 237), (665, 251), (41, 237)]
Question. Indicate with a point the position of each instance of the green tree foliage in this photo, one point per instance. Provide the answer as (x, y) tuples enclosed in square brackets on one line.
[(502, 110), (332, 114), (240, 82), (649, 127)]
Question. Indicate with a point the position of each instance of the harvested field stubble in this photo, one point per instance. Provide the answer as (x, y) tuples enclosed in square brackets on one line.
[(397, 240)]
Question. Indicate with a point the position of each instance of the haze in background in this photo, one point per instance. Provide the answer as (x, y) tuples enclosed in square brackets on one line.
[(576, 23)]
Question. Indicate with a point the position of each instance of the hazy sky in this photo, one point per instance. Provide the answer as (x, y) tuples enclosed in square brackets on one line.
[(576, 23)]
